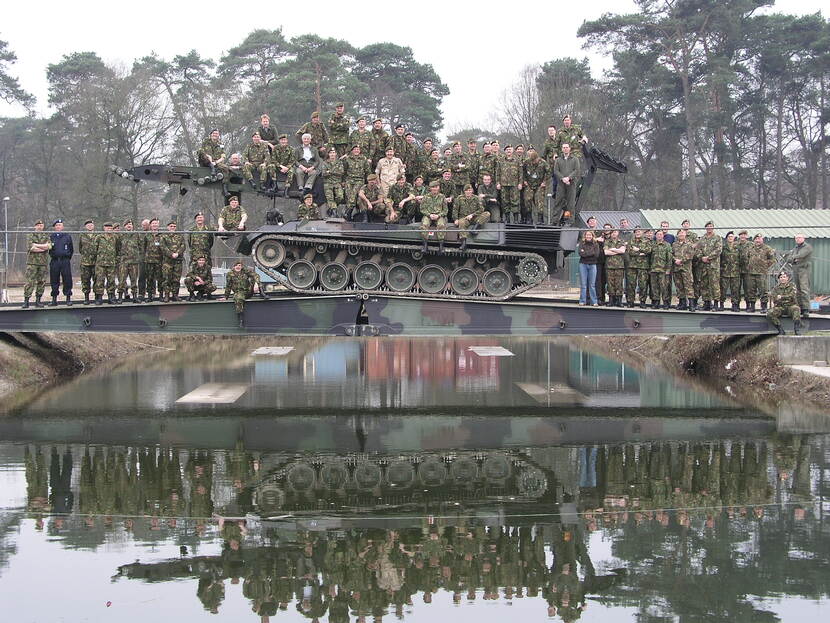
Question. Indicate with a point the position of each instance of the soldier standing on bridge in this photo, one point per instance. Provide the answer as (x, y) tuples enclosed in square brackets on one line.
[(106, 259), (730, 279), (172, 251), (615, 250), (743, 243), (152, 259), (660, 271), (760, 258), (86, 247), (237, 286), (801, 259), (785, 303), (200, 241), (60, 268), (37, 259), (638, 252), (130, 256), (683, 250), (709, 250)]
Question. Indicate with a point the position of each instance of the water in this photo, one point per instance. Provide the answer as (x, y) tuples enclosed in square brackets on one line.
[(370, 480)]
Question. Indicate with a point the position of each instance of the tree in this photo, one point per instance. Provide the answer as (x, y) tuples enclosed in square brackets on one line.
[(10, 90)]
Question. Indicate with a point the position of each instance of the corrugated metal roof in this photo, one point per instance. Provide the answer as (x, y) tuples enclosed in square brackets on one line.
[(635, 219), (771, 223)]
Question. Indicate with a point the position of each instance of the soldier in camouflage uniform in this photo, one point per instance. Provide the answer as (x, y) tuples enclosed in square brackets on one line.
[(373, 204), (357, 169), (473, 158), (785, 303), (152, 260), (319, 136), (378, 142), (199, 281), (399, 143), (434, 215), (469, 211), (233, 216), (130, 256), (282, 162), (760, 257), (509, 180), (660, 271), (638, 255), (550, 151), (388, 169), (86, 247), (333, 171), (173, 247), (339, 126), (489, 195), (743, 243), (212, 154), (106, 263), (402, 199), (361, 136), (200, 241), (257, 157), (487, 162), (571, 135), (730, 277), (615, 251), (37, 264), (434, 168), (709, 250), (683, 250), (307, 210), (535, 174), (459, 164), (446, 186), (237, 285), (414, 158)]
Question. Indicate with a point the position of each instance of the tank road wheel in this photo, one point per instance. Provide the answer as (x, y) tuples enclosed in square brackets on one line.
[(334, 276), (496, 467), (302, 477), (532, 270), (497, 282), (368, 276), (269, 252), (334, 475), (464, 470), (367, 475), (400, 277), (464, 281), (432, 279), (302, 274), (400, 474), (432, 472)]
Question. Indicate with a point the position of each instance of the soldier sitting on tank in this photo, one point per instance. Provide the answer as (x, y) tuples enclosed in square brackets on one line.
[(233, 216), (402, 197), (212, 154), (308, 210), (469, 210), (199, 281), (372, 206), (785, 303), (434, 215)]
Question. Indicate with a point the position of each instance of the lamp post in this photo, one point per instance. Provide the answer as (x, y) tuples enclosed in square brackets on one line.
[(5, 297)]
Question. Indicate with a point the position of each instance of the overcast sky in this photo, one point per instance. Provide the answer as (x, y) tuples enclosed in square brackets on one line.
[(476, 50)]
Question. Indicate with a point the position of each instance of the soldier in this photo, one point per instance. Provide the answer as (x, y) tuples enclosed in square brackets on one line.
[(473, 159), (37, 260), (568, 172), (434, 214), (459, 164), (152, 260), (378, 143), (388, 169), (487, 162), (173, 247), (550, 151), (357, 169), (282, 163), (316, 130), (489, 195), (372, 204), (307, 159), (434, 170), (744, 244), (233, 216), (760, 257), (200, 241), (535, 175), (709, 250), (801, 259), (615, 251), (447, 188), (637, 270), (199, 281), (142, 273), (414, 158), (86, 247), (398, 143), (267, 133), (254, 280), (130, 256), (402, 198), (333, 171), (660, 271), (572, 135), (307, 210), (361, 136), (257, 156), (106, 257), (60, 268), (730, 277), (339, 126), (683, 250), (785, 303), (509, 180), (212, 154), (236, 287), (469, 211)]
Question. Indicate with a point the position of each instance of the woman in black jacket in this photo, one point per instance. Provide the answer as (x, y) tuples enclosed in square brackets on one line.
[(589, 250)]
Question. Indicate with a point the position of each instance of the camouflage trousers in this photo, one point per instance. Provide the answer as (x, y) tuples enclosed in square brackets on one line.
[(239, 301), (171, 274), (801, 279), (535, 200), (615, 277), (757, 289), (35, 280), (710, 281), (774, 315), (427, 227), (352, 188), (128, 270), (731, 285), (335, 194), (509, 199), (262, 169), (696, 277), (193, 288), (745, 285), (87, 278), (105, 280), (683, 281), (660, 287), (152, 273), (636, 280), (464, 223)]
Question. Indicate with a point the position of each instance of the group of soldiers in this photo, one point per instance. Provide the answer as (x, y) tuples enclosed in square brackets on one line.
[(642, 264), (136, 266), (371, 175)]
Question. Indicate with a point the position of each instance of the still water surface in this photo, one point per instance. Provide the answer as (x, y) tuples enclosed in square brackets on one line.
[(385, 479)]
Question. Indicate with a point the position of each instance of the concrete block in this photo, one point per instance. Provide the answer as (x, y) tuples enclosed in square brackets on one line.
[(803, 349)]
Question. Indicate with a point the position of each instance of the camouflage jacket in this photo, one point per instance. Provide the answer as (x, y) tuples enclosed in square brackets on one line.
[(215, 150), (283, 156), (683, 250), (784, 295), (152, 248), (743, 255), (638, 252), (536, 173), (572, 135), (447, 188), (434, 204), (710, 247), (413, 161), (256, 154), (509, 171), (37, 259), (661, 257), (204, 273), (760, 258), (489, 195), (550, 151), (106, 249), (173, 242), (377, 143), (339, 129), (399, 144), (364, 139), (487, 164), (334, 173), (433, 170), (398, 193), (308, 213), (372, 194), (237, 282), (232, 218), (319, 136), (86, 247), (356, 168), (131, 248), (473, 161), (201, 243), (729, 260), (459, 164), (467, 206), (388, 170), (615, 261)]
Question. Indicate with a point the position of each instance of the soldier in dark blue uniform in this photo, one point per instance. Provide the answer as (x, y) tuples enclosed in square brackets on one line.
[(59, 266)]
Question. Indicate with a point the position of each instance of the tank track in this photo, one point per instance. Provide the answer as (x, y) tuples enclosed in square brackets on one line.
[(325, 266)]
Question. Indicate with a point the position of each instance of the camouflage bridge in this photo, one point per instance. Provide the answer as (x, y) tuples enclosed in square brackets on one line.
[(363, 315)]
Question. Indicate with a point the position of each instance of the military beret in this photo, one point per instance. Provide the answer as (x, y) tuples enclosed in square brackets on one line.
[(214, 130), (282, 136), (256, 133), (401, 177), (339, 104), (371, 177), (38, 222), (730, 232), (520, 145), (171, 223), (233, 198), (238, 263), (743, 231), (355, 146), (197, 215), (454, 143), (315, 115), (56, 221), (400, 125), (428, 140), (107, 224), (531, 148), (434, 184), (361, 118), (88, 221), (709, 223), (446, 171), (758, 235), (307, 195), (378, 119), (566, 117), (201, 257), (468, 186), (129, 221), (471, 140), (116, 225), (408, 134), (507, 146)]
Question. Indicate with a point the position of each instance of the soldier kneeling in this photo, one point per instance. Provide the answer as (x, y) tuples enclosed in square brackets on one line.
[(785, 303), (199, 281)]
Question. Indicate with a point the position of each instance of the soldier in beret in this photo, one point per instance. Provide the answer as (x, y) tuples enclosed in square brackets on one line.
[(316, 130), (106, 264), (199, 281), (60, 268), (339, 125), (434, 215), (86, 247), (37, 257)]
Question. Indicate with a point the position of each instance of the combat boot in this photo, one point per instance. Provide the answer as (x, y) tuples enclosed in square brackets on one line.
[(643, 304), (110, 300), (666, 304), (441, 247), (692, 305), (164, 299), (54, 302), (262, 294), (797, 327), (119, 299), (25, 303), (425, 246), (191, 297), (780, 330), (736, 307), (655, 304), (463, 244), (682, 304), (175, 298), (99, 300), (763, 307), (707, 306), (241, 318), (37, 302), (69, 301)]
